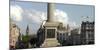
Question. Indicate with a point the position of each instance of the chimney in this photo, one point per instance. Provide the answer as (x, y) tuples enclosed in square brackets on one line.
[(50, 13)]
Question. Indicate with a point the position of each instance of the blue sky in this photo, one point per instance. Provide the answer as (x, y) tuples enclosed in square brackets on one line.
[(74, 12), (31, 5)]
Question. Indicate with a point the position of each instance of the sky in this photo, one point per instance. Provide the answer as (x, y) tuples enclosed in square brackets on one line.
[(75, 12), (34, 13)]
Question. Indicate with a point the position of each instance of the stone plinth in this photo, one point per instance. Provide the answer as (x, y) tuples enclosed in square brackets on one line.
[(51, 41)]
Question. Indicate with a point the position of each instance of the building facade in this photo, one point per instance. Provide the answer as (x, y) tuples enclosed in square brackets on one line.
[(63, 35), (75, 36), (14, 34), (87, 32)]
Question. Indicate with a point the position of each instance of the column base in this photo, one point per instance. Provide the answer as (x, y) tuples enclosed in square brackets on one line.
[(50, 43)]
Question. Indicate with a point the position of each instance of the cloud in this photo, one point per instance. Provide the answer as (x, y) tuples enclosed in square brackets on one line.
[(16, 12), (35, 15), (23, 17), (34, 18), (73, 25), (61, 16)]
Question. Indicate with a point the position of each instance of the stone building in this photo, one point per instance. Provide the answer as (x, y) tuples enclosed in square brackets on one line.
[(75, 36), (87, 32), (14, 34), (63, 34)]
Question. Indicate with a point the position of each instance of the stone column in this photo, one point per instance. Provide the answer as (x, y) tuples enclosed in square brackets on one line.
[(50, 12)]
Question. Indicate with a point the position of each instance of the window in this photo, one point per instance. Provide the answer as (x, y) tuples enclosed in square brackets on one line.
[(50, 33)]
